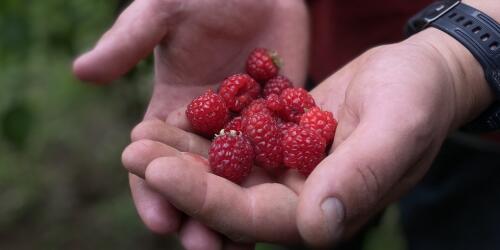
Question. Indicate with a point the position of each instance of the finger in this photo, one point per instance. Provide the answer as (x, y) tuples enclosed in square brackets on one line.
[(133, 36), (137, 156), (196, 236), (293, 180), (355, 181), (177, 138), (156, 213), (264, 212)]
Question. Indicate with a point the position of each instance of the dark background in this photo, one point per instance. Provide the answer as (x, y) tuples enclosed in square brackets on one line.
[(62, 185)]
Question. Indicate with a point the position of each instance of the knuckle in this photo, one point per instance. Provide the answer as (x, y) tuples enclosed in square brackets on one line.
[(191, 243), (166, 9), (145, 129), (151, 170), (135, 153), (370, 182), (158, 224)]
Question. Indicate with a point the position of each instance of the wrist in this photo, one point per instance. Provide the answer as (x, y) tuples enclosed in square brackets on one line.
[(471, 93)]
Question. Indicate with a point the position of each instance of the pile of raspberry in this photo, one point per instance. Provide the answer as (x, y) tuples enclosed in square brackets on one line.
[(260, 119)]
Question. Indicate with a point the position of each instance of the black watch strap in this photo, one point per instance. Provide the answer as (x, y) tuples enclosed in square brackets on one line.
[(480, 34)]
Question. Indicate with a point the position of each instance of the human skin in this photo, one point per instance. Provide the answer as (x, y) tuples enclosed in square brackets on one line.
[(395, 104), (196, 43)]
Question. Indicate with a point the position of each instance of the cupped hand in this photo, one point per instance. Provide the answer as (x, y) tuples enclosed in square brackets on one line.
[(196, 44), (174, 162), (395, 105)]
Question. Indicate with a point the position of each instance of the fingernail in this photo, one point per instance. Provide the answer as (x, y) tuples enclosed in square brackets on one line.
[(334, 213)]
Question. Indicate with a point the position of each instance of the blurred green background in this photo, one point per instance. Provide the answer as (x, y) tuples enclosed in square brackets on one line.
[(61, 182)]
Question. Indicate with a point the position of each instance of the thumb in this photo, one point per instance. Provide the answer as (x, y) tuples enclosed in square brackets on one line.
[(358, 179), (133, 36)]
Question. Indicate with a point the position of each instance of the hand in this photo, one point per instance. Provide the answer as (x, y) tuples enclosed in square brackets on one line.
[(196, 44), (395, 104), (173, 162)]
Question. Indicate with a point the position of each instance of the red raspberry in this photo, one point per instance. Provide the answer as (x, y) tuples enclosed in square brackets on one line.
[(284, 126), (303, 149), (273, 103), (263, 132), (257, 106), (207, 113), (231, 156), (295, 101), (276, 85), (320, 121), (238, 91), (234, 124), (263, 64)]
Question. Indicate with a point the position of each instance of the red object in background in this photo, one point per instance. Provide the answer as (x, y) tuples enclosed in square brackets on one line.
[(343, 29)]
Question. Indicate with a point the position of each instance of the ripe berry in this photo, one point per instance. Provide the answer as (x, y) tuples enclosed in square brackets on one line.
[(276, 85), (303, 149), (273, 103), (284, 126), (234, 124), (231, 156), (320, 121), (263, 132), (257, 106), (295, 101), (238, 91), (263, 64), (207, 113)]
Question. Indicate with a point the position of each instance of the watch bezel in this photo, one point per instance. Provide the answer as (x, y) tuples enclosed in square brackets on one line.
[(430, 14)]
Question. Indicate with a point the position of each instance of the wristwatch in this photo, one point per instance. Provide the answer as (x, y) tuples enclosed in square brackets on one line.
[(480, 34)]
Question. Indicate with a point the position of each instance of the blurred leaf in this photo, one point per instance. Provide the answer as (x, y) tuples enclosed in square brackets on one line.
[(387, 235), (17, 123)]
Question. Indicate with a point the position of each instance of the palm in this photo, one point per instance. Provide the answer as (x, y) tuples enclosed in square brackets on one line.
[(214, 42)]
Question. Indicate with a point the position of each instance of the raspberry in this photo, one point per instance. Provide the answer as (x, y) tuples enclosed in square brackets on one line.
[(273, 103), (257, 106), (295, 101), (320, 121), (263, 64), (263, 132), (207, 113), (231, 156), (234, 124), (238, 91), (303, 149), (276, 85), (284, 126)]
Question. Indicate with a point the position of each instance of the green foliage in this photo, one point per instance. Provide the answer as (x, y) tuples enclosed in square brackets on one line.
[(17, 124), (61, 182)]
